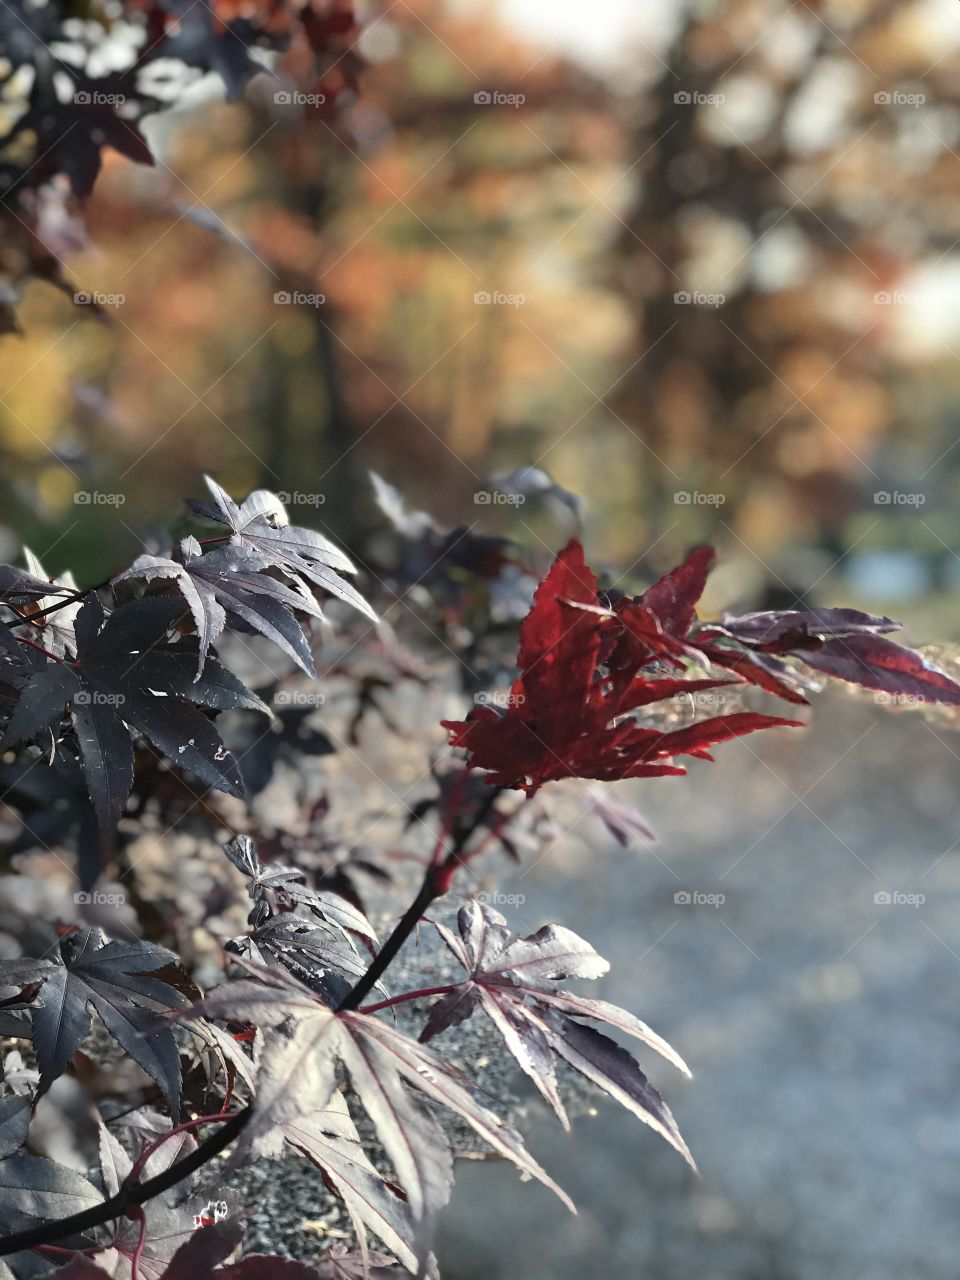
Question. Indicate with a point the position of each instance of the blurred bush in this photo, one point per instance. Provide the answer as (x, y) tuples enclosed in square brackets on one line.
[(713, 293)]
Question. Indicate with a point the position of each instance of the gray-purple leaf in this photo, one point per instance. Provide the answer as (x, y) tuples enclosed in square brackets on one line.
[(15, 1111), (114, 979), (770, 628), (330, 1139), (34, 1190), (510, 979), (611, 1068)]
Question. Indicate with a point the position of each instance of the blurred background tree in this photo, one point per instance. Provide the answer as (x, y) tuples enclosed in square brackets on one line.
[(697, 291)]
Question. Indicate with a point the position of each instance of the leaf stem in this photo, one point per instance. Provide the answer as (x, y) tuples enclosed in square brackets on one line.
[(139, 1216), (427, 893), (186, 1127), (72, 598), (130, 1193), (39, 648), (436, 883), (420, 994)]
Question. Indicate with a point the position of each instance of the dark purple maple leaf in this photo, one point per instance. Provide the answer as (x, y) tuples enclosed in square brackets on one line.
[(513, 981)]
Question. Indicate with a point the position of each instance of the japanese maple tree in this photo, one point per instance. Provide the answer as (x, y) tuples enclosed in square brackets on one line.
[(118, 694)]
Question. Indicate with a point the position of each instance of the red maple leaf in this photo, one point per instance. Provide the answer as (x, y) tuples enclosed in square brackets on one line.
[(585, 669)]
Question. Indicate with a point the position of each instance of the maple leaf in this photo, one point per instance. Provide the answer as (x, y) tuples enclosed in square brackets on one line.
[(307, 1044), (340, 1264), (126, 674), (582, 674), (843, 643), (22, 587), (435, 556), (329, 1138), (34, 1189), (199, 37), (190, 1254), (169, 1219), (54, 631), (324, 960), (261, 524), (512, 980), (229, 584), (118, 981), (673, 598), (15, 1112), (285, 885), (878, 663)]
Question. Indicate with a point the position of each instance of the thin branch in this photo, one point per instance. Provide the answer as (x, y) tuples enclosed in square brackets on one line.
[(435, 884)]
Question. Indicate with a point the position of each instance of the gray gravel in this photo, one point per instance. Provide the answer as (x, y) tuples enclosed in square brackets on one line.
[(821, 1025)]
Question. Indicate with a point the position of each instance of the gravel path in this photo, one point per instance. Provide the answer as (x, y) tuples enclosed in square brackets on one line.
[(820, 1023)]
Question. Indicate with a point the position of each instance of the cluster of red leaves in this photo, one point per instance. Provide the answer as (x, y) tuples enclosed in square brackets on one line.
[(585, 670), (589, 665)]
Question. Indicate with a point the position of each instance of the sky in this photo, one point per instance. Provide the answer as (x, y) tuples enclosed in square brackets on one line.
[(594, 31)]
